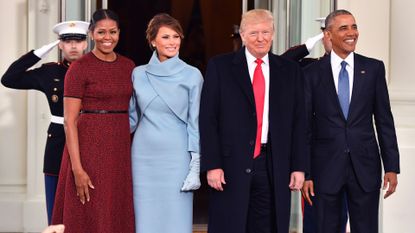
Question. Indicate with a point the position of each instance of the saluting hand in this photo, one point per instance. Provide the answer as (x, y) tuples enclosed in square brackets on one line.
[(82, 183)]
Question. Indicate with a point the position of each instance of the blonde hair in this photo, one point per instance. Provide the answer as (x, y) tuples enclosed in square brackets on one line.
[(256, 15)]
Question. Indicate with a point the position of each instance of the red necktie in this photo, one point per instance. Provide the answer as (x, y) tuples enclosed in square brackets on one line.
[(258, 85)]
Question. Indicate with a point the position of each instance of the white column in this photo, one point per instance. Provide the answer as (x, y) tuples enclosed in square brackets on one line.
[(42, 16), (24, 117), (12, 120)]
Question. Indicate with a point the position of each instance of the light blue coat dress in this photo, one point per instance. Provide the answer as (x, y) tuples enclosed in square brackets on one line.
[(164, 114)]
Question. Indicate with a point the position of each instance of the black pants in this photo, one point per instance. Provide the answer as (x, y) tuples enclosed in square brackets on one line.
[(261, 212), (363, 207)]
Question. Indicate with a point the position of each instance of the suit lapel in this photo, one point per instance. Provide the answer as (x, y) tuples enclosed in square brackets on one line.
[(359, 73), (328, 81), (241, 75)]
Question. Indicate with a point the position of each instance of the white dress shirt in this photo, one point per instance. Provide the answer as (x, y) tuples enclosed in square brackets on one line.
[(336, 66), (265, 70)]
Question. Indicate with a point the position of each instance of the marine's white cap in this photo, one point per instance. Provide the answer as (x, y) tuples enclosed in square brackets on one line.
[(322, 22), (71, 30)]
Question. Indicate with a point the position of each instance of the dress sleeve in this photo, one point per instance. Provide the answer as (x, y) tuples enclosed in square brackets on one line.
[(75, 81), (193, 114)]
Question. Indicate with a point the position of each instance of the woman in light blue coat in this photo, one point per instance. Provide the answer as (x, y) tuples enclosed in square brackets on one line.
[(164, 114)]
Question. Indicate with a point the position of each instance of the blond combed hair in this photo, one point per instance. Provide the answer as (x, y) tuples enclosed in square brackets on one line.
[(256, 15)]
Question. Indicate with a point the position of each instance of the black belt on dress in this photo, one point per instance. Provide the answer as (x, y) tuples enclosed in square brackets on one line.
[(103, 111)]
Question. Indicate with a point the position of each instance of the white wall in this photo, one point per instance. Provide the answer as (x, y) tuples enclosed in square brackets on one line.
[(24, 117), (12, 119), (399, 210)]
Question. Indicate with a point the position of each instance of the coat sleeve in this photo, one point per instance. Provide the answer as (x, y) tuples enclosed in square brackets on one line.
[(296, 53), (300, 160), (193, 114), (308, 96), (385, 127), (18, 76), (133, 109), (209, 119)]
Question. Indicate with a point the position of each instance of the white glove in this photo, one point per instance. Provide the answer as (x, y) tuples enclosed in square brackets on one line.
[(310, 42), (42, 51), (192, 181)]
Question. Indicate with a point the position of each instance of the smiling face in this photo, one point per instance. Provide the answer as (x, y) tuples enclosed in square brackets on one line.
[(257, 37), (343, 35), (106, 35), (166, 43)]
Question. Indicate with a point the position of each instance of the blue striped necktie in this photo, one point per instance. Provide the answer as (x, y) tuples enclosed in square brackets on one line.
[(344, 90)]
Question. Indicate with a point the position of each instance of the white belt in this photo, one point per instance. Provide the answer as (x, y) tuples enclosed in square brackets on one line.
[(56, 119)]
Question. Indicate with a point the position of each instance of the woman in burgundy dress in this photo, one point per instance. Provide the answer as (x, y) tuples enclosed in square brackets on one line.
[(95, 186)]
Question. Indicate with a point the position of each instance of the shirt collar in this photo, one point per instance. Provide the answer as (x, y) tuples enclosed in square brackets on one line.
[(336, 60), (251, 59)]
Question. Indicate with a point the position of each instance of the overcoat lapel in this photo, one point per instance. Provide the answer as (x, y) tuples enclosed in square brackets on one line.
[(241, 75), (276, 83)]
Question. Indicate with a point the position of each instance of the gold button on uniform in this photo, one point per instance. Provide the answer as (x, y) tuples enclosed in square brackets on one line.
[(55, 89), (49, 135)]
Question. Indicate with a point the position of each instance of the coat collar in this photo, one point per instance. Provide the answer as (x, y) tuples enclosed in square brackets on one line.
[(168, 67)]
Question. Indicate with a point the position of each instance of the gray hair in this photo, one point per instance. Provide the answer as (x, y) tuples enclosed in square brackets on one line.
[(330, 18)]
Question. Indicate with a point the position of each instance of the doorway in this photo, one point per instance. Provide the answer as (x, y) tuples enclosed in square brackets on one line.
[(207, 26)]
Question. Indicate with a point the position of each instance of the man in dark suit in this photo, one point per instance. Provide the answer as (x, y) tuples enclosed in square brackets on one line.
[(252, 129), (345, 92), (298, 53), (49, 79)]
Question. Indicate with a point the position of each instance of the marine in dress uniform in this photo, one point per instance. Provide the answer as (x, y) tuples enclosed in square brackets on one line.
[(49, 79)]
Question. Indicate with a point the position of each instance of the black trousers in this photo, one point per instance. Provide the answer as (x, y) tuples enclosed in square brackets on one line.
[(363, 207), (261, 212)]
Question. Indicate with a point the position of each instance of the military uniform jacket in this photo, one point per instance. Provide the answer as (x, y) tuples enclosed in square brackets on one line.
[(49, 79), (298, 53)]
